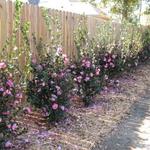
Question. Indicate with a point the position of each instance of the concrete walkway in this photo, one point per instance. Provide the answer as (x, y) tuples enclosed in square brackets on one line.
[(133, 133)]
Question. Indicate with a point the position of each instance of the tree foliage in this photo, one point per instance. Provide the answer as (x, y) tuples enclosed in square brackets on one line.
[(125, 8)]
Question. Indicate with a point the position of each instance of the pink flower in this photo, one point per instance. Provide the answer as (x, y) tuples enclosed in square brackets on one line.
[(57, 87), (9, 126), (97, 71), (54, 75), (91, 74), (82, 73), (14, 126), (3, 65), (112, 65), (39, 67), (87, 79), (104, 59), (58, 51), (1, 89), (79, 78), (34, 61), (106, 77), (106, 66), (10, 83), (109, 60), (66, 61), (62, 75), (62, 108), (75, 79), (19, 95), (55, 106), (72, 66), (0, 120), (10, 75), (114, 56), (7, 92), (59, 92), (27, 110), (8, 144), (87, 64)]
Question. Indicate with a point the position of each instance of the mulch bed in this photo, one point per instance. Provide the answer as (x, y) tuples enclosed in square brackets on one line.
[(83, 127)]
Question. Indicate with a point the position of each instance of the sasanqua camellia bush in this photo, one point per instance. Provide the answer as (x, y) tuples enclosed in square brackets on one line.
[(86, 77), (49, 89), (9, 98)]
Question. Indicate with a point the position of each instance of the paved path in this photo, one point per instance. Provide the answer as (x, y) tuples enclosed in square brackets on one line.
[(133, 133)]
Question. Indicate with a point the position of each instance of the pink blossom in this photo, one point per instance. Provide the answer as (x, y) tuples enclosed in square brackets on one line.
[(75, 79), (1, 89), (72, 66), (28, 110), (14, 126), (59, 92), (54, 96), (66, 61), (57, 87), (104, 59), (106, 77), (83, 61), (62, 108), (19, 95), (82, 73), (112, 65), (10, 83), (43, 84), (10, 75), (55, 106), (106, 66), (87, 79), (34, 61), (106, 54), (91, 74), (97, 71), (62, 74), (16, 102), (39, 67), (79, 78), (0, 120), (109, 60), (7, 92), (3, 65), (114, 56), (54, 75), (8, 144), (58, 51), (87, 64), (9, 126)]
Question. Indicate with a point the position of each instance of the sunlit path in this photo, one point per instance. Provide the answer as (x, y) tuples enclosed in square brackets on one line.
[(134, 132)]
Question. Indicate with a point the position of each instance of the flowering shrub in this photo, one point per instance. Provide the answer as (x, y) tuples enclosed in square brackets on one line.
[(9, 98), (50, 86), (86, 77)]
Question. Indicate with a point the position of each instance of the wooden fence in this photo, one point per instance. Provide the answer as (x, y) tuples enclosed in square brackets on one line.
[(33, 14)]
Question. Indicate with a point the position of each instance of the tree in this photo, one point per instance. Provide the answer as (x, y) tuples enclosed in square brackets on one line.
[(125, 8)]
